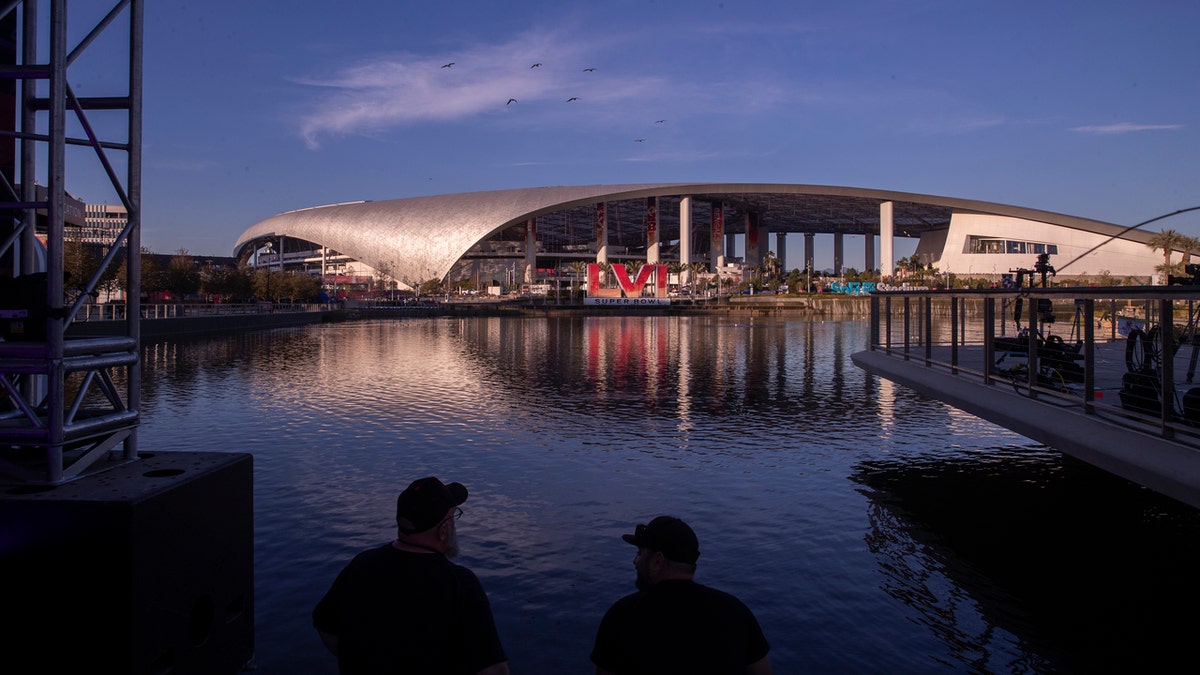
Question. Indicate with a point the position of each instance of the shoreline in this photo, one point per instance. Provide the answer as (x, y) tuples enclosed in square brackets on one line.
[(828, 306)]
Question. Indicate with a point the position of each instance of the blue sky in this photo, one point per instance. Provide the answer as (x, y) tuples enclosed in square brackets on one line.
[(253, 107)]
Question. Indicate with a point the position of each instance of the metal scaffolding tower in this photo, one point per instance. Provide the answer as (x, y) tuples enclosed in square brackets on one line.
[(66, 400)]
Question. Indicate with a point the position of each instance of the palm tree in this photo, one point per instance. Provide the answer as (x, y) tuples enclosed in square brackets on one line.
[(1167, 241), (578, 267), (605, 268), (696, 269), (770, 264), (1189, 245)]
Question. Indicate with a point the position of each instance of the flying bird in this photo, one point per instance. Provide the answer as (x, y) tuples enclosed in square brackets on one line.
[(511, 100), (573, 98), (589, 70), (638, 140), (536, 65), (660, 121), (448, 64)]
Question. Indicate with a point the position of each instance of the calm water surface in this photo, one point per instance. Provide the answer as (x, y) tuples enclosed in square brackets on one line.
[(870, 529)]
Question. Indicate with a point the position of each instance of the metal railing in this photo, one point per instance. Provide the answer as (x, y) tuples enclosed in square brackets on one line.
[(117, 311), (1065, 346)]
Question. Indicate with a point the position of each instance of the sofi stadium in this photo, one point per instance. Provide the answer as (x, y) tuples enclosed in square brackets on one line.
[(523, 235)]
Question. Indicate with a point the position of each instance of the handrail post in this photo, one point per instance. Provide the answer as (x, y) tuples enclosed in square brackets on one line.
[(928, 331), (1089, 356), (989, 337), (874, 322), (1032, 357), (907, 325), (963, 329), (887, 302), (954, 319), (1166, 336)]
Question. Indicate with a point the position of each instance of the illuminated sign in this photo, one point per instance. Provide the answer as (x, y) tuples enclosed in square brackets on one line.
[(855, 287), (626, 287)]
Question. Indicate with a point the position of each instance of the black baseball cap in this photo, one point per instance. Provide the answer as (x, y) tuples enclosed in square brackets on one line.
[(424, 503), (668, 535)]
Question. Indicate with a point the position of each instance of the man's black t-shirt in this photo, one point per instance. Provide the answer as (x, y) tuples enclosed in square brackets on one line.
[(679, 627), (399, 612)]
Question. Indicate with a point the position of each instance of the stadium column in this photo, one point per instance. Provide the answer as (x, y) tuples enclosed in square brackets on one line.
[(838, 259), (886, 253), (601, 233), (652, 231), (809, 255), (716, 240), (781, 251), (753, 255), (869, 252), (530, 250), (685, 231)]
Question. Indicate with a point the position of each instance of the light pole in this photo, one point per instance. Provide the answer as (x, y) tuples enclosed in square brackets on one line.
[(270, 250)]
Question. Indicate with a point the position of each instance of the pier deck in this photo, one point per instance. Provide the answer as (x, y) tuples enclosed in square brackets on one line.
[(1156, 448)]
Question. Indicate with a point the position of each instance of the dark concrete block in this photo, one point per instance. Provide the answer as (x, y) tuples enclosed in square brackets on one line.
[(144, 568)]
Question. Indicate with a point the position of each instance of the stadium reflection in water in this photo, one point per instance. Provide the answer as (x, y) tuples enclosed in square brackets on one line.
[(869, 529)]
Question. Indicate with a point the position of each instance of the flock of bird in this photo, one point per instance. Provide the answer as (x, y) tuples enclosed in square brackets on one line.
[(569, 100)]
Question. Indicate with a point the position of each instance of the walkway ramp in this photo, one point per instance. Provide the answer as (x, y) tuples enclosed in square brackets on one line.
[(952, 354)]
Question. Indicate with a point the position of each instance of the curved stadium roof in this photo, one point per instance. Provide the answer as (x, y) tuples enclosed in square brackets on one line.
[(423, 237)]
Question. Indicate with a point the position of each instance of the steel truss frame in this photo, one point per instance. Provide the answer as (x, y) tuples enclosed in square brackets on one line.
[(61, 403)]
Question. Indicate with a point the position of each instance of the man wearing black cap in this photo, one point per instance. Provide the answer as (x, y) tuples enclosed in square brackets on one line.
[(673, 624), (404, 607)]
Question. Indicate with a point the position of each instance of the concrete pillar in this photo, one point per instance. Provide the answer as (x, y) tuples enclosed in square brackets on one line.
[(685, 231), (652, 240), (716, 242), (753, 240), (869, 252), (887, 266), (781, 251), (839, 258), (601, 233), (530, 250), (809, 253)]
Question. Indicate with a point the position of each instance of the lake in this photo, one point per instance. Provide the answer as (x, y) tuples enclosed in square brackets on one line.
[(870, 529)]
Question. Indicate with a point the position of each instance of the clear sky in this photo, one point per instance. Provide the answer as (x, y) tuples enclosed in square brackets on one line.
[(256, 107)]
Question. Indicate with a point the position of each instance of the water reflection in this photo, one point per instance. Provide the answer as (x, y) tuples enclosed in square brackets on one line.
[(1067, 568), (870, 529)]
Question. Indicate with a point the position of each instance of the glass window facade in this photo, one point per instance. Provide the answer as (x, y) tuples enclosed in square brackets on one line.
[(987, 246)]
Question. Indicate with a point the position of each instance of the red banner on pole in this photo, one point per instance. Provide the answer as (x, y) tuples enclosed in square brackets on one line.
[(601, 223), (651, 220)]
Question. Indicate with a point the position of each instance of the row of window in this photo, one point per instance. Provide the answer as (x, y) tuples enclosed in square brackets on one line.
[(102, 213), (1007, 246)]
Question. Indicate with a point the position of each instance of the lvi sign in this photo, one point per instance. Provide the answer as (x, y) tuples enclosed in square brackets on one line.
[(626, 287)]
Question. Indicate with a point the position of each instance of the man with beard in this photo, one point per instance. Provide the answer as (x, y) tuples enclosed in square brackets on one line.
[(673, 624), (404, 607)]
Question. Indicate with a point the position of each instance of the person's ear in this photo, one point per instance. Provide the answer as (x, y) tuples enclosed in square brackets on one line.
[(443, 531)]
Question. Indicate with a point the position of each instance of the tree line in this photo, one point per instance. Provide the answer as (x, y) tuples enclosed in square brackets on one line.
[(182, 277)]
